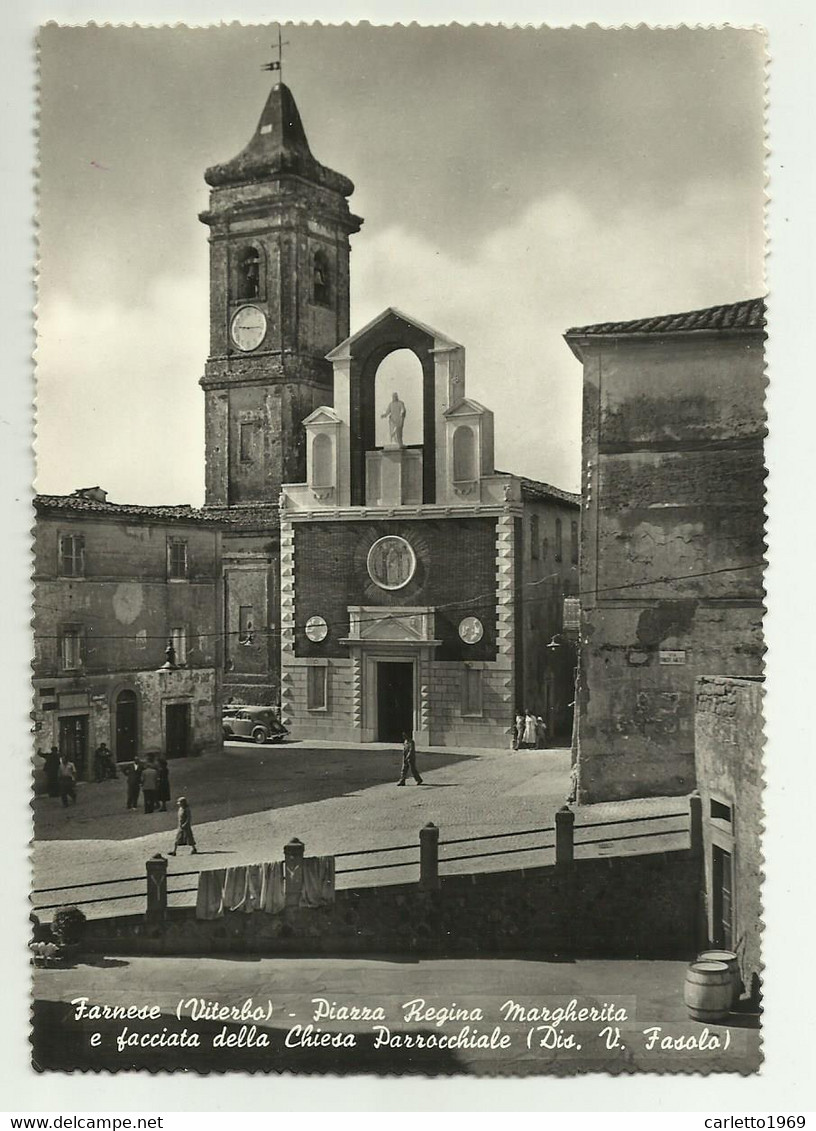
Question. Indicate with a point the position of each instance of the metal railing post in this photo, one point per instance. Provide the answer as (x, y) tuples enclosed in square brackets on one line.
[(429, 857), (564, 837), (156, 869), (293, 870)]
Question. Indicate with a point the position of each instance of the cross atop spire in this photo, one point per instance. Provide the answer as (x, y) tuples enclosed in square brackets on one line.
[(277, 64)]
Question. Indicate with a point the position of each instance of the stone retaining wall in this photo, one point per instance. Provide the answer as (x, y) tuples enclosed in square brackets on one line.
[(622, 907)]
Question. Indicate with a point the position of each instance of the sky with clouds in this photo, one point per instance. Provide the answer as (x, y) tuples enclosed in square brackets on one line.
[(514, 183)]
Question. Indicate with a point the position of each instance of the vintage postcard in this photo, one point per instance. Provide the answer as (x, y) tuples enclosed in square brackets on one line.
[(398, 550)]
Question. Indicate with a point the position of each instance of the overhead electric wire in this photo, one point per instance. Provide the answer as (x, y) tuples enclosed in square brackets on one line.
[(395, 612)]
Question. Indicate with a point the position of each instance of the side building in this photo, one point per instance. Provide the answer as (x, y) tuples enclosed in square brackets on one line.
[(672, 536), (420, 588), (127, 616)]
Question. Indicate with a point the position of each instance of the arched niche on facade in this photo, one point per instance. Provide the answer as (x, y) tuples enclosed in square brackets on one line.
[(248, 273), (322, 433), (465, 464), (369, 348), (321, 278), (323, 460), (399, 372)]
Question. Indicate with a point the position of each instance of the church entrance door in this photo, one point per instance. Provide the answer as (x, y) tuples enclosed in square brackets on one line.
[(395, 700)]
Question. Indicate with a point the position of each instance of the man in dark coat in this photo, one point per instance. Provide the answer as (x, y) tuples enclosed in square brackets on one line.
[(133, 777), (163, 787), (409, 760), (150, 782), (51, 762)]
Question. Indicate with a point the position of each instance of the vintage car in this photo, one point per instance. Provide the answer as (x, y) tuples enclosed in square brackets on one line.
[(258, 723)]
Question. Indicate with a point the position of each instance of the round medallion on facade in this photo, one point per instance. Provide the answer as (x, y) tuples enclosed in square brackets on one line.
[(316, 629), (471, 630), (391, 562), (248, 328)]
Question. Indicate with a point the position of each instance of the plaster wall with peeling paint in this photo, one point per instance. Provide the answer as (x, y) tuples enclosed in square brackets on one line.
[(671, 548)]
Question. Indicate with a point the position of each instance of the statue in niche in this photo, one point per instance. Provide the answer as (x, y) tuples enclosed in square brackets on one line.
[(395, 567), (396, 419)]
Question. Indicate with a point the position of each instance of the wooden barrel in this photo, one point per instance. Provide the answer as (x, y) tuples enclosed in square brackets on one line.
[(730, 960), (709, 991)]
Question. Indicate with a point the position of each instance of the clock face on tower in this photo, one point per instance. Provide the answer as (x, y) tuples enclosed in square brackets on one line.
[(248, 328)]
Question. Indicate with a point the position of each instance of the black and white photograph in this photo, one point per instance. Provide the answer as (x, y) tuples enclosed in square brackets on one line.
[(398, 550)]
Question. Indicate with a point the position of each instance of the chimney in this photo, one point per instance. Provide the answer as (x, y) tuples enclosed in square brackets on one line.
[(95, 494)]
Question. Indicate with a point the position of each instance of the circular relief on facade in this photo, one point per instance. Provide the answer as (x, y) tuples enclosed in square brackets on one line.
[(248, 328), (316, 629), (471, 630), (391, 562)]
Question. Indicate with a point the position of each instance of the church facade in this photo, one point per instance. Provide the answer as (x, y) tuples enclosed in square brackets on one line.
[(370, 586), (407, 601)]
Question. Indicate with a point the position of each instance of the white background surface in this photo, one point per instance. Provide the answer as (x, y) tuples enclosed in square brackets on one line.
[(786, 1081)]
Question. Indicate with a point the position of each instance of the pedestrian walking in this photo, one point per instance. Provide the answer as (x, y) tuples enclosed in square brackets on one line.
[(541, 733), (133, 777), (67, 780), (51, 764), (184, 832), (409, 760), (163, 786), (150, 783)]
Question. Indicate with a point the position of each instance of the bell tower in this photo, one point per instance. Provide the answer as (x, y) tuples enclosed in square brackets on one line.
[(279, 302)]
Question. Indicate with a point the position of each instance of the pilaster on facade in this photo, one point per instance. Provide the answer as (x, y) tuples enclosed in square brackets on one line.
[(287, 602), (505, 584), (425, 665), (356, 690), (506, 606)]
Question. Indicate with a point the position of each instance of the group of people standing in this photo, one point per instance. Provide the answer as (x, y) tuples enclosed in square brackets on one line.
[(151, 777), (529, 731)]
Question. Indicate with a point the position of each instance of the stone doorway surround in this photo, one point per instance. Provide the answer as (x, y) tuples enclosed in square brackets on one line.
[(383, 634)]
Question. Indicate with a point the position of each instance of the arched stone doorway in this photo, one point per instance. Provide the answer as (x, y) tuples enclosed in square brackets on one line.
[(127, 726)]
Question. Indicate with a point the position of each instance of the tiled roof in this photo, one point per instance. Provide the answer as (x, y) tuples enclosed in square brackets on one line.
[(125, 510), (255, 515), (533, 489), (747, 315)]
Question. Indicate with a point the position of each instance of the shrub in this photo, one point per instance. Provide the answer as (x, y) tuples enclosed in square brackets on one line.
[(68, 925)]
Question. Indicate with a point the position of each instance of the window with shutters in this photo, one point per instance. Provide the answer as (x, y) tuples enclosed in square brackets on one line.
[(178, 638), (71, 555), (176, 559), (574, 543), (558, 540), (72, 647)]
